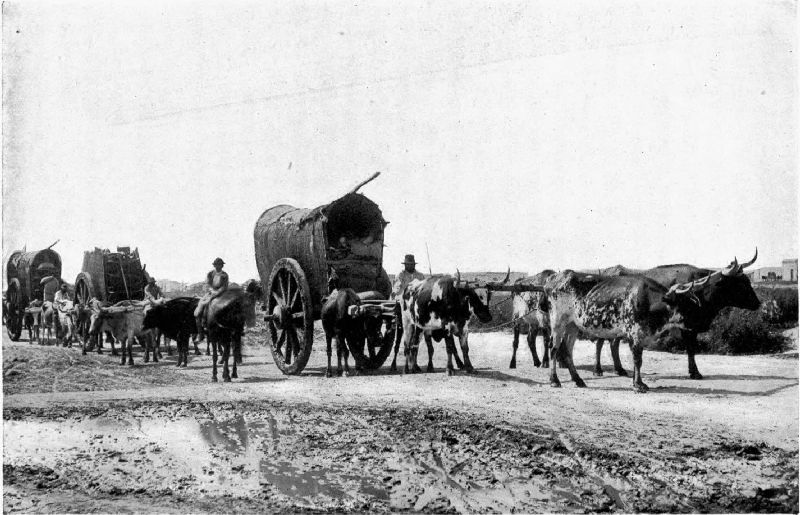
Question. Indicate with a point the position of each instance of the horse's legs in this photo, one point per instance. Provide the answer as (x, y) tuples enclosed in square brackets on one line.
[(226, 353), (209, 336)]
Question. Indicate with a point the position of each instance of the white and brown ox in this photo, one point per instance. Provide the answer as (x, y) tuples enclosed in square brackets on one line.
[(439, 306), (530, 315), (633, 308), (712, 291), (124, 320)]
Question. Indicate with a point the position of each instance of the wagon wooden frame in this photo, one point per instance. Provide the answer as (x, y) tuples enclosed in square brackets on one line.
[(296, 251), (24, 274)]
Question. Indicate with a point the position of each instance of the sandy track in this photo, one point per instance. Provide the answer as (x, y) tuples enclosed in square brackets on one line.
[(83, 433)]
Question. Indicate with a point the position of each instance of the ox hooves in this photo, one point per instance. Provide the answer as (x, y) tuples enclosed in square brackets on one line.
[(537, 364), (83, 353), (579, 383), (451, 372), (328, 373), (695, 375), (555, 384), (393, 368), (460, 365), (622, 372), (226, 379), (513, 364), (214, 379), (640, 388), (235, 375), (207, 353), (471, 370), (598, 372), (429, 369), (184, 365)]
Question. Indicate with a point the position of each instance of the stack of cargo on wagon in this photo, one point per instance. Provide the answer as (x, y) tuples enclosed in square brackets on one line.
[(110, 276)]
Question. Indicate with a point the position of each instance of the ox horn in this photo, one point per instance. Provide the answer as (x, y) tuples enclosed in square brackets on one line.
[(458, 276), (732, 268), (685, 287), (745, 265), (508, 276), (702, 281)]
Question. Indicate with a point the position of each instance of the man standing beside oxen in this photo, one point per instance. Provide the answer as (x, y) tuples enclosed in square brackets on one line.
[(408, 274), (217, 281)]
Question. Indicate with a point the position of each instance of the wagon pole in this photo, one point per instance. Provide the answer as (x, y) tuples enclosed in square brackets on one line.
[(371, 177), (124, 281)]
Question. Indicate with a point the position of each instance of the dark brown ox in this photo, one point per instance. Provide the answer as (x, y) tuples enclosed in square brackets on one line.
[(629, 307), (728, 287), (226, 318), (439, 306)]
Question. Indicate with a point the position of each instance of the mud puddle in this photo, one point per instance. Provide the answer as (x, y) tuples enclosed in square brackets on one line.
[(229, 457), (257, 456)]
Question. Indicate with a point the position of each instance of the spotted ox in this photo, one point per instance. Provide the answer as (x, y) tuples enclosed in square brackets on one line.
[(633, 308), (728, 287), (439, 306), (530, 315)]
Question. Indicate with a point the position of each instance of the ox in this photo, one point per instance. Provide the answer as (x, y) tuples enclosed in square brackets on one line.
[(66, 319), (439, 306), (339, 324), (30, 320), (728, 287), (124, 320), (633, 308), (175, 320), (226, 318), (530, 315)]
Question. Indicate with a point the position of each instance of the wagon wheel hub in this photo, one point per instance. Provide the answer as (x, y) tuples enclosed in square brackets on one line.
[(282, 316)]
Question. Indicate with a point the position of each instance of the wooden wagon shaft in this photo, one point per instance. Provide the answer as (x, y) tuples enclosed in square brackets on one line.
[(517, 288), (112, 310)]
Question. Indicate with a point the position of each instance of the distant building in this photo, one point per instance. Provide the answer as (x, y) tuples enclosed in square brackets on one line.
[(786, 272), (789, 270), (168, 286)]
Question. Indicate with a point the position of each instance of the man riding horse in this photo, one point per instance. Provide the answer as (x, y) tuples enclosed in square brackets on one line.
[(217, 281)]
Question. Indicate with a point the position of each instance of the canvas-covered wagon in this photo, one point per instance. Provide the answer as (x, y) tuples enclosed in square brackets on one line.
[(24, 274), (296, 249), (110, 276)]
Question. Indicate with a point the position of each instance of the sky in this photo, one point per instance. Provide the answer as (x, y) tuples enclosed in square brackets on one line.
[(528, 135)]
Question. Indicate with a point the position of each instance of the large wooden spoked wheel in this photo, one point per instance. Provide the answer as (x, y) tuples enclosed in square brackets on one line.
[(381, 334), (15, 310), (290, 317), (84, 292)]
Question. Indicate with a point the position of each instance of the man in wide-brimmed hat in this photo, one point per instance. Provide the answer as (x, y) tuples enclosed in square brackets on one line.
[(217, 281), (408, 274)]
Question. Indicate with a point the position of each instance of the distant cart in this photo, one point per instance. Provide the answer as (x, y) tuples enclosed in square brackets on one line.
[(24, 274), (296, 249), (110, 276)]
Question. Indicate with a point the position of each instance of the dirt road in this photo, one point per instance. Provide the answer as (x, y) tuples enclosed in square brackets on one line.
[(85, 434)]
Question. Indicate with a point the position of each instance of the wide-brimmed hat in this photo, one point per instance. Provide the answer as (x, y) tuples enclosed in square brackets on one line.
[(218, 261), (409, 260)]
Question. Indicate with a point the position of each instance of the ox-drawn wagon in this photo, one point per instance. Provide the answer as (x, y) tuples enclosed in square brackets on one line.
[(24, 274), (296, 249)]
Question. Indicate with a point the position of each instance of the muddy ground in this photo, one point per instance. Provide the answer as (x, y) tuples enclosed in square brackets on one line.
[(82, 433)]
